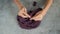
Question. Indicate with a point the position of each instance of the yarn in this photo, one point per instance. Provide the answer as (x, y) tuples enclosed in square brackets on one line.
[(26, 23)]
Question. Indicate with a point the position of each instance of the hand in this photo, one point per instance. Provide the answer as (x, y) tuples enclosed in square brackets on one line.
[(37, 16), (23, 13)]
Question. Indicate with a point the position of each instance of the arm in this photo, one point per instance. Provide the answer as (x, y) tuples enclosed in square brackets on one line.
[(20, 6), (46, 7), (22, 10), (41, 14)]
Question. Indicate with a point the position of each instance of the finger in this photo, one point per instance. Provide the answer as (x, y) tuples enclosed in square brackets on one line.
[(23, 16), (32, 19), (25, 12), (35, 18), (27, 15)]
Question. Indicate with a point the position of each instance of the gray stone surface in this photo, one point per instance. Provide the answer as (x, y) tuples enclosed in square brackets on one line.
[(8, 23)]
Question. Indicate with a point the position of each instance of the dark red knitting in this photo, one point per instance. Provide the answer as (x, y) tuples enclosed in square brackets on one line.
[(26, 23)]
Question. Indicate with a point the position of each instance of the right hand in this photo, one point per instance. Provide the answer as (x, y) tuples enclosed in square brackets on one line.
[(38, 16), (23, 13)]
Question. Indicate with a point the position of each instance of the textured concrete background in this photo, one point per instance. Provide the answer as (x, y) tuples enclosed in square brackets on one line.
[(8, 23)]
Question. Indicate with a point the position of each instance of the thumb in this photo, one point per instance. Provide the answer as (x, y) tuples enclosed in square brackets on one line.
[(31, 18), (27, 15)]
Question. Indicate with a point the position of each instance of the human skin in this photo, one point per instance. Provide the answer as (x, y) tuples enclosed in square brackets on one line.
[(22, 10), (41, 14), (32, 18), (38, 16)]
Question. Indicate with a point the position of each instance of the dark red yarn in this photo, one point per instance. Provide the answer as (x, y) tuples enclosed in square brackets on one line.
[(34, 3), (26, 23)]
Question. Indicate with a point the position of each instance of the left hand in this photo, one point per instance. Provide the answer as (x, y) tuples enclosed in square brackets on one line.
[(23, 13)]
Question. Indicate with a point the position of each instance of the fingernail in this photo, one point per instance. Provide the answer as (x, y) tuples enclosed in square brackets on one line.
[(30, 19)]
